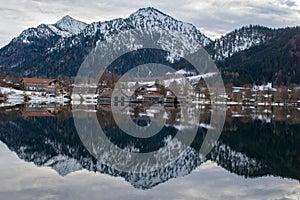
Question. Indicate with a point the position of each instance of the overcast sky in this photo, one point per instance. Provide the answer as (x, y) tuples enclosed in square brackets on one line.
[(212, 17)]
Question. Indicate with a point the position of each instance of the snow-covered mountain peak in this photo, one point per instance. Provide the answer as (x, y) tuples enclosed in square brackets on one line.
[(151, 17), (69, 24), (65, 18), (149, 12), (65, 27)]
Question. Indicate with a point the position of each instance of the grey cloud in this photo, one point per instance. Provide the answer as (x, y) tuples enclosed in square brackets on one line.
[(289, 3), (269, 10)]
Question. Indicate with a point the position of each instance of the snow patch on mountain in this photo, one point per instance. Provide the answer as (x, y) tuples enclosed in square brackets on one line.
[(70, 25), (183, 166), (29, 36), (235, 161), (65, 27), (144, 18), (151, 17), (63, 164), (240, 40)]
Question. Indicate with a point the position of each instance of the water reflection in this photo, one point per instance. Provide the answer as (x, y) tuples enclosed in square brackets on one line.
[(255, 141)]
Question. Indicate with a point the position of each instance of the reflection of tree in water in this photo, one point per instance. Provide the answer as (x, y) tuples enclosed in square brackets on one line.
[(252, 149)]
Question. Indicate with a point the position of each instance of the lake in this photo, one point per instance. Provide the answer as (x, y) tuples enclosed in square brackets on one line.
[(44, 155)]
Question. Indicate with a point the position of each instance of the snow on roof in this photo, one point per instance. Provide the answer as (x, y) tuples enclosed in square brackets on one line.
[(267, 86), (153, 89), (241, 88), (181, 72)]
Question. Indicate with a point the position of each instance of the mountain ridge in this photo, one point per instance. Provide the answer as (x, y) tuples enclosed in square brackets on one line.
[(50, 50)]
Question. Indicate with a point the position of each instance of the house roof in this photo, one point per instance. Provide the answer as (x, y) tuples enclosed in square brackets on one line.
[(38, 80)]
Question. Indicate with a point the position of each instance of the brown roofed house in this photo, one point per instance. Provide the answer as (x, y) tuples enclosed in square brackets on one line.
[(41, 84)]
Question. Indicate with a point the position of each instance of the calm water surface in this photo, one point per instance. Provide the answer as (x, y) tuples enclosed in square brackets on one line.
[(43, 157)]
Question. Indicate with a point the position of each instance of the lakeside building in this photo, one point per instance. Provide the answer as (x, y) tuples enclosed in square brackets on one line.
[(42, 84)]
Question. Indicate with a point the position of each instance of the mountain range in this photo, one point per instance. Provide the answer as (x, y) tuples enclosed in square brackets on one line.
[(251, 54)]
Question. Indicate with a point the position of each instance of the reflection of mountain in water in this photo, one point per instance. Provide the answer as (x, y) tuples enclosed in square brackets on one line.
[(250, 148)]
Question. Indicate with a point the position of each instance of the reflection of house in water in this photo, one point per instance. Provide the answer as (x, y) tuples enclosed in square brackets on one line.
[(42, 84), (266, 114), (41, 110), (105, 97), (41, 113), (181, 118), (139, 113), (2, 97)]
